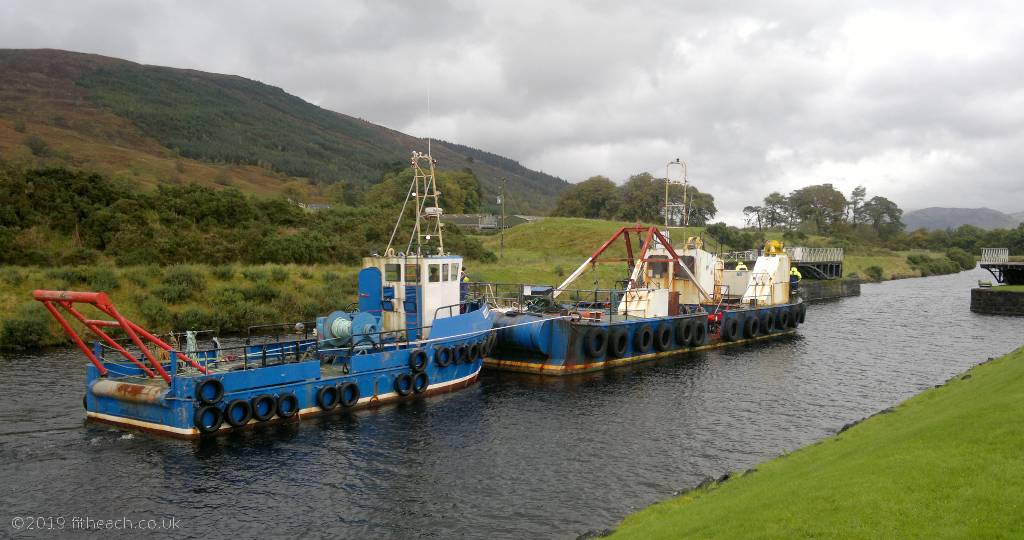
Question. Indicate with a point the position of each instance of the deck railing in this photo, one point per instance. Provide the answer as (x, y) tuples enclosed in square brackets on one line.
[(995, 255), (796, 254)]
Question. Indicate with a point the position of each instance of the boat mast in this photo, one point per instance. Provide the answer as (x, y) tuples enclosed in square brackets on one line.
[(422, 190), (684, 221)]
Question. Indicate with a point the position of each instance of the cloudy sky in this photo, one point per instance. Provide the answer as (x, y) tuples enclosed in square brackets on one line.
[(922, 102)]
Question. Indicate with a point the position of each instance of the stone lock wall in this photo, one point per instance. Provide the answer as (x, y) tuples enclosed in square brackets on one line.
[(993, 301)]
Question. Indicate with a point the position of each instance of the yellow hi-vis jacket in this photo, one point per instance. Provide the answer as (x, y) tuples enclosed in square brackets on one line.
[(794, 272), (741, 267)]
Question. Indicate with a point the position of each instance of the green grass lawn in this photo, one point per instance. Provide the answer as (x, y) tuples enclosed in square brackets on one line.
[(948, 463), (1009, 288)]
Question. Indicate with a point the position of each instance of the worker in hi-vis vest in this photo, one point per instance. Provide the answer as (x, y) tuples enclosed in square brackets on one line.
[(794, 278), (740, 267)]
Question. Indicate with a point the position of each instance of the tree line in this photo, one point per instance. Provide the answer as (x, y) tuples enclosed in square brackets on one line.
[(641, 198), (823, 209)]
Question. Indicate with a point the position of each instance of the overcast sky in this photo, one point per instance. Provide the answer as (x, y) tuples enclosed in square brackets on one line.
[(922, 102)]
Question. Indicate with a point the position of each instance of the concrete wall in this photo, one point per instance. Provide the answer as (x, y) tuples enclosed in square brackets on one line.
[(831, 288), (992, 300)]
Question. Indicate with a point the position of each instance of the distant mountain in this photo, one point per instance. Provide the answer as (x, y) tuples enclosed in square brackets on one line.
[(951, 218), (152, 125)]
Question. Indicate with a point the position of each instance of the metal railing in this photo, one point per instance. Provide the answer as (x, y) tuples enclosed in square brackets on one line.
[(796, 254), (995, 255)]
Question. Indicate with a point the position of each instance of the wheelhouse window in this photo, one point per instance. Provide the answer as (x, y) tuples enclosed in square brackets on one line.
[(455, 271), (434, 271), (444, 273), (392, 272), (412, 273)]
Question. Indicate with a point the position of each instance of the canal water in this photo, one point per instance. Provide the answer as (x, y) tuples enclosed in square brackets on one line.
[(510, 457)]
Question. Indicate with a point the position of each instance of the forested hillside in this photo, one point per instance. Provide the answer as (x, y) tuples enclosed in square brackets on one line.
[(151, 125)]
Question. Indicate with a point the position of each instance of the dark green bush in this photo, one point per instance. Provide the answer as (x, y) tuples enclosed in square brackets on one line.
[(155, 314), (102, 279), (185, 276), (255, 274), (224, 272), (199, 319), (173, 294), (964, 260), (27, 328), (12, 276), (874, 273), (929, 266), (261, 291), (278, 274)]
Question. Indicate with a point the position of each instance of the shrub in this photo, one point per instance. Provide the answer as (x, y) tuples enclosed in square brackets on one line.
[(185, 276), (19, 126), (305, 274), (962, 259), (331, 277), (874, 273), (79, 255), (224, 272), (278, 274), (255, 274), (12, 276), (198, 319), (154, 313), (261, 291), (930, 267), (29, 327), (173, 294), (36, 145), (102, 279), (141, 275)]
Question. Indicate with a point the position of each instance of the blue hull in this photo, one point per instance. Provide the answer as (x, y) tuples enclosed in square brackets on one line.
[(288, 381), (562, 346)]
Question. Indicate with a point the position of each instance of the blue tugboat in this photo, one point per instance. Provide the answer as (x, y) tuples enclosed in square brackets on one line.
[(672, 300), (410, 336)]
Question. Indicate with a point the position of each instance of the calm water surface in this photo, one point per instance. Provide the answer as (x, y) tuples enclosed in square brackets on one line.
[(511, 457)]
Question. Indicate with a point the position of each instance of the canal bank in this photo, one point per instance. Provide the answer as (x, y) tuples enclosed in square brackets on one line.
[(946, 462), (1001, 300), (811, 290)]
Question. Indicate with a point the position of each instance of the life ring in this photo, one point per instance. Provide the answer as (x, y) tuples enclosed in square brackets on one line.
[(209, 391), (418, 360), (208, 418), (731, 329), (442, 356), (595, 342), (618, 342), (751, 326), (663, 337), (287, 405), (264, 407), (327, 397), (348, 394), (403, 384), (766, 322), (420, 382), (684, 331), (643, 339), (238, 413), (700, 332)]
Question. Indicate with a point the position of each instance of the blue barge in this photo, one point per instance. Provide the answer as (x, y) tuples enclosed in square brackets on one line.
[(673, 301), (412, 335)]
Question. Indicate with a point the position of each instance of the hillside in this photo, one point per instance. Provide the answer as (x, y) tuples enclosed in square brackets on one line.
[(951, 218), (152, 125)]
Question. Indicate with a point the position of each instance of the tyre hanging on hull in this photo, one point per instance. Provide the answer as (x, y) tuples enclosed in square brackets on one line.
[(643, 339), (664, 337), (731, 329), (684, 332), (595, 342), (618, 342)]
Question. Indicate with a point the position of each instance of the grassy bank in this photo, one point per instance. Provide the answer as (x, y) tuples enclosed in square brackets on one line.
[(946, 463), (1008, 288), (227, 298)]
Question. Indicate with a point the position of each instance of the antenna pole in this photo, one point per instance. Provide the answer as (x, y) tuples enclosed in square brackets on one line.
[(501, 252)]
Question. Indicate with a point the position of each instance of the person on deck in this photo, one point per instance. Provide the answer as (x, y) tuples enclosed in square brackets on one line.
[(463, 288), (740, 267), (794, 278)]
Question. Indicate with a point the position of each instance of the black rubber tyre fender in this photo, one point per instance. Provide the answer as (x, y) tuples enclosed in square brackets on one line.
[(460, 354), (472, 352), (287, 405), (348, 394), (767, 322), (443, 356), (684, 332), (208, 418), (209, 391), (420, 382), (481, 348), (803, 312), (700, 333), (264, 407), (595, 342), (643, 339), (403, 384), (618, 342), (327, 397), (238, 413), (751, 326), (731, 328), (418, 360), (663, 337), (794, 316), (782, 319)]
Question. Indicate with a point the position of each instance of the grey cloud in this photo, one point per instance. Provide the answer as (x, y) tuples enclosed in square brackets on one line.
[(919, 101)]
